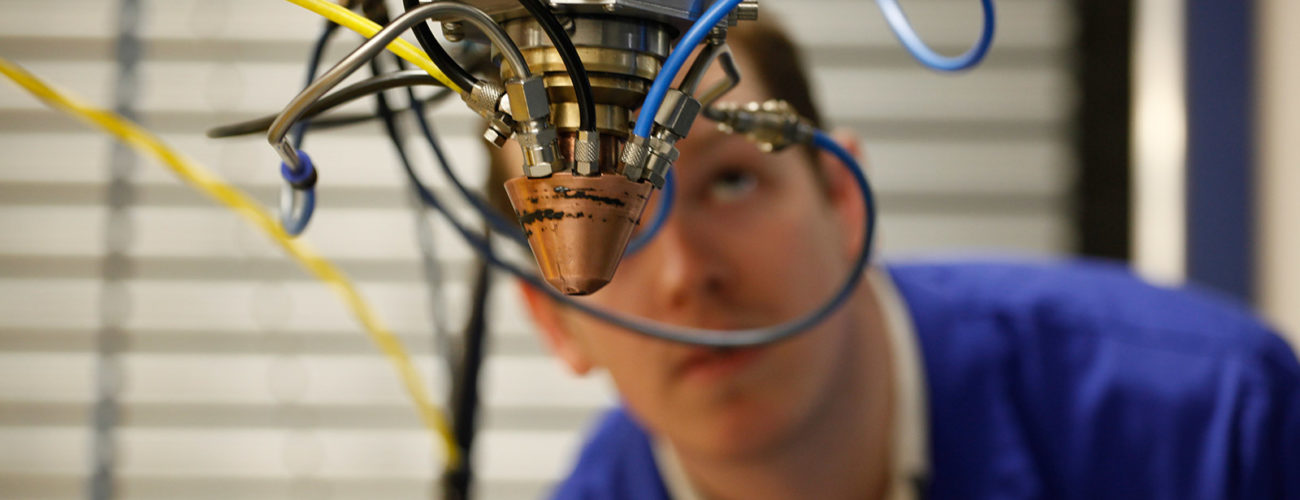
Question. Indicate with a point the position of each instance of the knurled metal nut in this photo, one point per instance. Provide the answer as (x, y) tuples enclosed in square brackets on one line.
[(483, 98), (586, 151), (633, 156)]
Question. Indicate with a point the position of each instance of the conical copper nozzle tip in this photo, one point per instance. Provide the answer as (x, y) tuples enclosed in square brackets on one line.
[(578, 226)]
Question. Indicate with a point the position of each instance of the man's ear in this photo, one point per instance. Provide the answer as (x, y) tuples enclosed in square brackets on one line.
[(846, 199), (555, 330)]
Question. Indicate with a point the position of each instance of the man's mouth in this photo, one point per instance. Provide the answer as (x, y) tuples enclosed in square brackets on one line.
[(706, 365)]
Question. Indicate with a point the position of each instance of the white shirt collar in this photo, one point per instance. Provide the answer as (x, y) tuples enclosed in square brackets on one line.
[(910, 456)]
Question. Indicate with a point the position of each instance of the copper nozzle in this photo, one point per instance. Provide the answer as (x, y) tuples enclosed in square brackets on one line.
[(578, 226)]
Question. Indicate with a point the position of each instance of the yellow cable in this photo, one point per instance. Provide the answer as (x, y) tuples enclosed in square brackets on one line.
[(367, 28), (200, 178)]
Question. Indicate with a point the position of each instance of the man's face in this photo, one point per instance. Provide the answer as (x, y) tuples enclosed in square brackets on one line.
[(754, 240)]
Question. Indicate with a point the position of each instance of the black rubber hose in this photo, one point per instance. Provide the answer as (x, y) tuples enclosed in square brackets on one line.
[(345, 95), (572, 63), (313, 66), (465, 393), (454, 71)]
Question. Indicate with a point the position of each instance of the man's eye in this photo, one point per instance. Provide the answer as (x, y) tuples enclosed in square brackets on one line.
[(732, 185)]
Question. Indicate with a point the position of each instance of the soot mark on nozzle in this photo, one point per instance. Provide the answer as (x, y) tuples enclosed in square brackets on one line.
[(578, 226)]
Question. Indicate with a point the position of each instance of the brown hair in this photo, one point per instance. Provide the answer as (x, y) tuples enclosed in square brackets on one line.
[(780, 71), (780, 68)]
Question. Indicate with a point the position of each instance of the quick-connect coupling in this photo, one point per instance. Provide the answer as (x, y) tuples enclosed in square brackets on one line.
[(650, 158), (485, 99), (773, 125), (531, 110)]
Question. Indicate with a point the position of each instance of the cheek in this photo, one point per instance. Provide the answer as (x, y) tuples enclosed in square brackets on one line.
[(634, 361), (789, 252)]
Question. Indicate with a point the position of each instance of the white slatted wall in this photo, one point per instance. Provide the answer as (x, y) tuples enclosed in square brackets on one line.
[(243, 378)]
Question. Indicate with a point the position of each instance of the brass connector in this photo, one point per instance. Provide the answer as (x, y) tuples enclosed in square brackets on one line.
[(773, 125)]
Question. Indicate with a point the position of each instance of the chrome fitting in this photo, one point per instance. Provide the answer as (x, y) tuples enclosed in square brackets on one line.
[(677, 113), (528, 99), (537, 142), (586, 153), (485, 99), (649, 159), (747, 10), (531, 109), (773, 125)]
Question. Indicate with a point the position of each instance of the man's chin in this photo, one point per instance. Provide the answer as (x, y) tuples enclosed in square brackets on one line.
[(736, 431)]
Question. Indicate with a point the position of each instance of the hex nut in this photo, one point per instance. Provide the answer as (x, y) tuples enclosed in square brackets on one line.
[(528, 99)]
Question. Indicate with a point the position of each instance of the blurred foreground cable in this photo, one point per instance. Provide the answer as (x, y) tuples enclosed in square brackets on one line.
[(200, 178)]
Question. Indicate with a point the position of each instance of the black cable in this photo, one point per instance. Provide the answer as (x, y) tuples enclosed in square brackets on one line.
[(454, 71), (464, 402), (572, 63), (313, 65), (454, 488), (345, 95), (465, 391), (464, 405)]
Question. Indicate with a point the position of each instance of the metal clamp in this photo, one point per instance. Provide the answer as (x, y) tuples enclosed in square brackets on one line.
[(695, 75)]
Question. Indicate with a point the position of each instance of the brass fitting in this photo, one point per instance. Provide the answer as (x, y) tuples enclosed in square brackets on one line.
[(773, 125)]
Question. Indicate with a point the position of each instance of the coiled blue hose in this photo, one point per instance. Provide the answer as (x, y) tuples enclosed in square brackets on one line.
[(907, 36)]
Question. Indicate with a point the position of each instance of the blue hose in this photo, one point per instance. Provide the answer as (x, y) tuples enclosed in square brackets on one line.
[(676, 59), (295, 226), (907, 36), (666, 197)]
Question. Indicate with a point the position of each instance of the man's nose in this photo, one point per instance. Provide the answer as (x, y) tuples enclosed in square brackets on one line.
[(688, 269)]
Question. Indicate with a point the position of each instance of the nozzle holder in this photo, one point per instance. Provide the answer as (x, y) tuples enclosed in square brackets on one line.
[(578, 226)]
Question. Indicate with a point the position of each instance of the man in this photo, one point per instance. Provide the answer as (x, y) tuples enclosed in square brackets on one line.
[(961, 380)]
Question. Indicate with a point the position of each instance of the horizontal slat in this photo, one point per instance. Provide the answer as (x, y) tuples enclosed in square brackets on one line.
[(49, 486), (286, 417), (502, 343), (947, 25), (362, 379), (1041, 233), (353, 176), (878, 93), (208, 233), (944, 23), (273, 453)]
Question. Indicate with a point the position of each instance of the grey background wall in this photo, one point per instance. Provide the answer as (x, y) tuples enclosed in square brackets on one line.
[(239, 377)]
